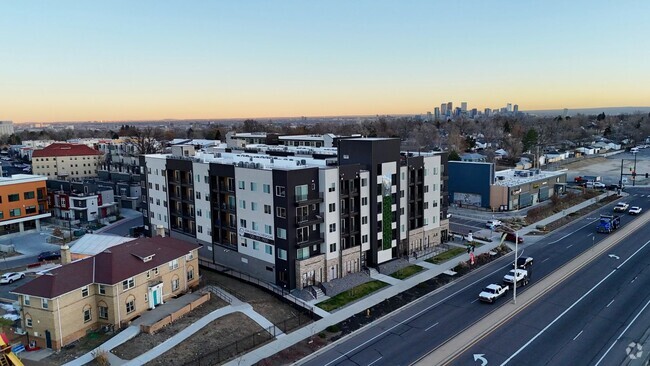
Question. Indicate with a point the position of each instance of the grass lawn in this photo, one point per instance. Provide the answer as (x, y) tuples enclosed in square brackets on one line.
[(447, 255), (351, 295), (407, 272)]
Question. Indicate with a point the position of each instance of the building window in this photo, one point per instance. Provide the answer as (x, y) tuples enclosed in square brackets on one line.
[(26, 300), (302, 253), (282, 254), (282, 233), (173, 265), (255, 226), (128, 283), (268, 249), (155, 271), (332, 207), (242, 204), (364, 238), (190, 274), (280, 191), (14, 212), (14, 197), (253, 206), (244, 243), (87, 314), (301, 193), (200, 229), (268, 229), (84, 291), (332, 228), (426, 189), (253, 187), (364, 220), (256, 245), (267, 209), (280, 212), (364, 182), (28, 321), (198, 195), (364, 201), (103, 312), (242, 223), (130, 306), (266, 188), (44, 303), (332, 187), (175, 283), (241, 184), (29, 195), (332, 247)]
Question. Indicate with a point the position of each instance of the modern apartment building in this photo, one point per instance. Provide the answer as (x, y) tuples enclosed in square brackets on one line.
[(298, 217), (6, 128), (23, 203), (110, 288), (63, 160)]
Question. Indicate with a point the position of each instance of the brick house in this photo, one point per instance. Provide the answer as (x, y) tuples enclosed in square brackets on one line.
[(110, 288)]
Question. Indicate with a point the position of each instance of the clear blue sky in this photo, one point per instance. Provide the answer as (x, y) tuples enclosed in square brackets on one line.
[(112, 60)]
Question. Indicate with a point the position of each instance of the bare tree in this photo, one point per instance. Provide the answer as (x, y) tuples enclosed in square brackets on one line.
[(147, 140)]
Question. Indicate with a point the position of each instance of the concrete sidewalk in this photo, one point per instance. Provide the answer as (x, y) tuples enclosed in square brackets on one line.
[(432, 270)]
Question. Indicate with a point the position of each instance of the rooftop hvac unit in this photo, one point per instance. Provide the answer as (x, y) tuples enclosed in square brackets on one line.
[(240, 164), (303, 161)]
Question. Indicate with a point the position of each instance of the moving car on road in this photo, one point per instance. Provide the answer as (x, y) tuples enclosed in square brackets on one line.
[(10, 277), (492, 292), (518, 276), (49, 256), (621, 207), (635, 210), (524, 262)]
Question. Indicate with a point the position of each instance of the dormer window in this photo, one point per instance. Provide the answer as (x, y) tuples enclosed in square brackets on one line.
[(147, 259)]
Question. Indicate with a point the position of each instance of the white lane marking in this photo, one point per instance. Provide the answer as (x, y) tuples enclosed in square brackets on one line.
[(569, 246), (345, 354), (546, 260), (475, 300), (572, 306), (576, 337), (373, 362), (623, 332), (634, 279), (569, 234), (610, 303), (431, 327), (590, 234)]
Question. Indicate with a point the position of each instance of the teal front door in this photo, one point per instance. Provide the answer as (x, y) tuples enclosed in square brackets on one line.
[(156, 300)]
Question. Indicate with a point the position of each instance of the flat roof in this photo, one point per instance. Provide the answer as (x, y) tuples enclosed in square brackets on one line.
[(21, 178), (514, 177)]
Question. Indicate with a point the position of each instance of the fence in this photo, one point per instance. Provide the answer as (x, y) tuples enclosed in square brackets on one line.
[(429, 252), (249, 342), (245, 277)]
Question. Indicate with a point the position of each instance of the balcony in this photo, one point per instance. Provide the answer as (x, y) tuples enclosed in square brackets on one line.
[(313, 240), (309, 220), (306, 200)]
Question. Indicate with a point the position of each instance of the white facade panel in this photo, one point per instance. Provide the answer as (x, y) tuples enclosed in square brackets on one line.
[(329, 183), (157, 192), (252, 220), (202, 206)]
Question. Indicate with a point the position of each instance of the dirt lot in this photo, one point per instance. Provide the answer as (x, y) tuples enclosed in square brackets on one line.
[(145, 342), (211, 337), (265, 303), (81, 347)]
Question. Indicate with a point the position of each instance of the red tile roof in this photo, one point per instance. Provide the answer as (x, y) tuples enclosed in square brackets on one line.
[(111, 266), (64, 149)]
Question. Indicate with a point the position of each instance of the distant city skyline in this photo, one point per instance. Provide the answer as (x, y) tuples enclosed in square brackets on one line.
[(149, 60)]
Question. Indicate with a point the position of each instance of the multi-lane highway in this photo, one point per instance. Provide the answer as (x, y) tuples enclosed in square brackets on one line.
[(405, 336), (591, 319)]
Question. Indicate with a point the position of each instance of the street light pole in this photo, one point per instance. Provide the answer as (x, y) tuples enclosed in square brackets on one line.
[(634, 176), (514, 282)]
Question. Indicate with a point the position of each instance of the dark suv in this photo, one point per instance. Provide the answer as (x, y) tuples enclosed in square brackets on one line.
[(49, 256)]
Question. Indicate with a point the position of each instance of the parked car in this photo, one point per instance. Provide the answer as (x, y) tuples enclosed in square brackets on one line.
[(49, 256), (512, 237), (492, 292), (493, 223), (10, 277), (635, 210), (524, 262), (595, 185)]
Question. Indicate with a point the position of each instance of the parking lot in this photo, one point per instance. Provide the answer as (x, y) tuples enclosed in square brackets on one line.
[(609, 169)]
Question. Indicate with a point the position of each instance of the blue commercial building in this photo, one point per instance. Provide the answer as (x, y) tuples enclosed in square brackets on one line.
[(469, 183)]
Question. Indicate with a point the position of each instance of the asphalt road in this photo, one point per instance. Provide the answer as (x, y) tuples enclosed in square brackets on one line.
[(123, 227), (589, 320), (465, 225), (406, 335)]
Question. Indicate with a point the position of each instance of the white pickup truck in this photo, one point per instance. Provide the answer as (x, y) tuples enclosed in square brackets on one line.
[(519, 276), (492, 292), (621, 207)]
